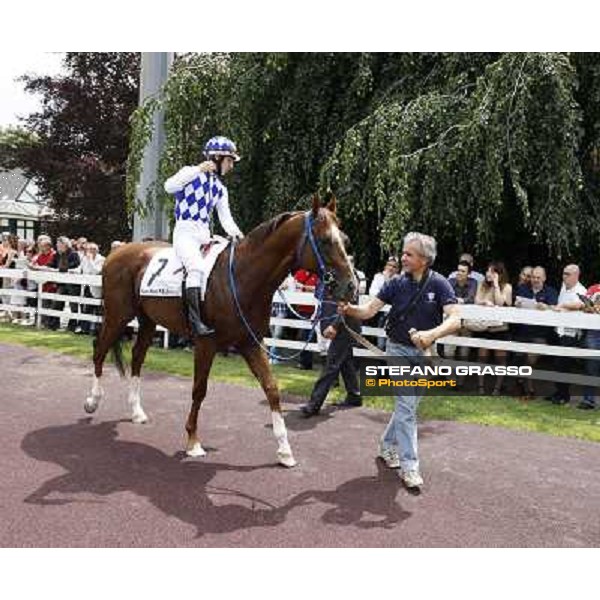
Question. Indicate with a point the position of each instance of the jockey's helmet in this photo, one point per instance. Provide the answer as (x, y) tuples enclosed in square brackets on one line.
[(221, 146)]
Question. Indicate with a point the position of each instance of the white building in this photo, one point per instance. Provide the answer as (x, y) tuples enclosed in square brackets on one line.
[(21, 206)]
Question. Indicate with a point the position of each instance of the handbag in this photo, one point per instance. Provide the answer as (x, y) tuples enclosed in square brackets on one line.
[(479, 325)]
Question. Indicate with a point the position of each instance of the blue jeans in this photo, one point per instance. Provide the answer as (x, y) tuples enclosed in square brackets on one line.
[(592, 365), (401, 431)]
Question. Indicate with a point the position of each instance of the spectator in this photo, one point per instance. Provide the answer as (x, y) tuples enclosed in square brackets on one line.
[(116, 244), (20, 263), (80, 247), (419, 300), (9, 250), (568, 299), (544, 297), (466, 257), (306, 281), (494, 291), (360, 276), (4, 247), (9, 256), (523, 286), (525, 276), (592, 341), (40, 261), (390, 270), (464, 286), (65, 260), (280, 310), (30, 285), (90, 265)]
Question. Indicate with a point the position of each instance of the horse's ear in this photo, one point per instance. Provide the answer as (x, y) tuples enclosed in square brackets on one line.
[(316, 204), (331, 205)]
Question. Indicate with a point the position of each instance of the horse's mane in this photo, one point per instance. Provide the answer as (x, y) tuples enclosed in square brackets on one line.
[(260, 233)]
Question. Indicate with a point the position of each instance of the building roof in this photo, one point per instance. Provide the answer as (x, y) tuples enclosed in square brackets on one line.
[(20, 197)]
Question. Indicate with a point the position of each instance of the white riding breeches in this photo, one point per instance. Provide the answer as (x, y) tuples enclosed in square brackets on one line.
[(188, 236)]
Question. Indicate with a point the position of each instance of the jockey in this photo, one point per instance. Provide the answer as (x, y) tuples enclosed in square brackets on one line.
[(197, 191)]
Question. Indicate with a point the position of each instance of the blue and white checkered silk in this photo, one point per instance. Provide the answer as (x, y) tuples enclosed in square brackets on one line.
[(197, 199)]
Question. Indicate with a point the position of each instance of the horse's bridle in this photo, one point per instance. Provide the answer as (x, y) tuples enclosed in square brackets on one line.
[(326, 281), (327, 278)]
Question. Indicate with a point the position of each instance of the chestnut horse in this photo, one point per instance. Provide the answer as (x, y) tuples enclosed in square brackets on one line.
[(262, 261)]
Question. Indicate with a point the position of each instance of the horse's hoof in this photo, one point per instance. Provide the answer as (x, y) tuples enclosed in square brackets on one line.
[(90, 405), (195, 451), (287, 460), (139, 418)]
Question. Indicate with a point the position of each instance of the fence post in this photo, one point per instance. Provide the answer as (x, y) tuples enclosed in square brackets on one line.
[(38, 315)]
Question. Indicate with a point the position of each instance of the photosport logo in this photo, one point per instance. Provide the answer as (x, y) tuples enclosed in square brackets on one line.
[(434, 376)]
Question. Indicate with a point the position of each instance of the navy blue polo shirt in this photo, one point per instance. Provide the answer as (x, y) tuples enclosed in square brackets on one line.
[(428, 311)]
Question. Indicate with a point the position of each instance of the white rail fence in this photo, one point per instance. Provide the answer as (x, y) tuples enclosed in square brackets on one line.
[(12, 298)]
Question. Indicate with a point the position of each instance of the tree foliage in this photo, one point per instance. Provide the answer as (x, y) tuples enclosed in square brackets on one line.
[(77, 144), (495, 153)]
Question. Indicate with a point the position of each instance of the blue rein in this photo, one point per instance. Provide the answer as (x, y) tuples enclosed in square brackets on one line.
[(320, 292)]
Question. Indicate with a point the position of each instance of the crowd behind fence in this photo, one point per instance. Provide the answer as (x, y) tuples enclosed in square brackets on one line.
[(38, 309)]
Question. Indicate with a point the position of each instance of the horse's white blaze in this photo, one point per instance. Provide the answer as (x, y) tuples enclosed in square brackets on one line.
[(135, 401), (91, 402), (337, 236), (284, 451)]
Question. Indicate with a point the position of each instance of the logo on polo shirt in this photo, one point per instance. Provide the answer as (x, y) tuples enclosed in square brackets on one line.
[(430, 296)]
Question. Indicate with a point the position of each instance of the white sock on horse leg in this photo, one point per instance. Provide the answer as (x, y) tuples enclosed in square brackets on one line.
[(279, 428), (97, 388), (135, 400), (284, 451), (91, 402)]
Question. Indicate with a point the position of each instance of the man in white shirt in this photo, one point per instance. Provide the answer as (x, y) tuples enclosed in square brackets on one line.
[(391, 268), (568, 337)]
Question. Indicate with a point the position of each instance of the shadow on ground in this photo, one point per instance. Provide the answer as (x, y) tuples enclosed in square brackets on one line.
[(97, 462)]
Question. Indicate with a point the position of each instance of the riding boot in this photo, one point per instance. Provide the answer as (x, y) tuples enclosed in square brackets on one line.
[(192, 298)]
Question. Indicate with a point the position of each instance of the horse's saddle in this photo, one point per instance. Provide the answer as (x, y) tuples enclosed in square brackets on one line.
[(165, 272)]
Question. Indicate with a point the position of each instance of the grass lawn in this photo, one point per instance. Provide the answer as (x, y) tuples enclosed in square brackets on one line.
[(536, 415)]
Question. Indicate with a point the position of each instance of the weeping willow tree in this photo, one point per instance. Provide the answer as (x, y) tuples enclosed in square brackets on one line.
[(494, 153)]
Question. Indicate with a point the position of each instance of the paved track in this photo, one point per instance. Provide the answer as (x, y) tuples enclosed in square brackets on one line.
[(71, 480)]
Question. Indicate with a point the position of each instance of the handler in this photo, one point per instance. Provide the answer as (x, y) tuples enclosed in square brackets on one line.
[(419, 299)]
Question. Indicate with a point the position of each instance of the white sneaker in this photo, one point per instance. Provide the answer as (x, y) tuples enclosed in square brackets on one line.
[(389, 455), (411, 479)]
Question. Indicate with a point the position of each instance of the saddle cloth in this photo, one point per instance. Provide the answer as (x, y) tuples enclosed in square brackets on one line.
[(164, 274)]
